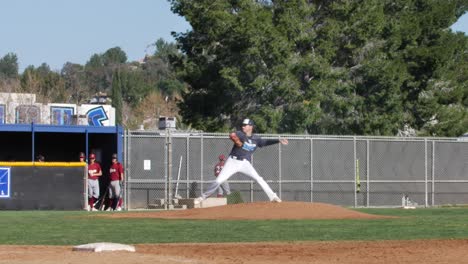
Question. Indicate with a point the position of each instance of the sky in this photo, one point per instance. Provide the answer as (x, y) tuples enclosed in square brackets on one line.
[(60, 31)]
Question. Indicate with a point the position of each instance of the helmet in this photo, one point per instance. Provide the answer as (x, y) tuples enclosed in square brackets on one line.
[(222, 157), (92, 156)]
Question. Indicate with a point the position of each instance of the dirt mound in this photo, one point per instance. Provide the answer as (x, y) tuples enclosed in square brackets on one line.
[(257, 211)]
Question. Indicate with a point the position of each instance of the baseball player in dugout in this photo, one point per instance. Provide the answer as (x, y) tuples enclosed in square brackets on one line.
[(240, 158), (94, 172), (40, 158), (224, 187), (82, 157), (116, 178)]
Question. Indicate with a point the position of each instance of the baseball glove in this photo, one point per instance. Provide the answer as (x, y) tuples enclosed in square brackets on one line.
[(233, 136)]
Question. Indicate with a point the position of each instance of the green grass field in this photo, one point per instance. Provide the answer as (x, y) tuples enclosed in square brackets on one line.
[(71, 228)]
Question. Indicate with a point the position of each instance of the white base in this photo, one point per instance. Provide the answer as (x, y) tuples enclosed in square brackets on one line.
[(212, 202), (209, 202), (104, 246)]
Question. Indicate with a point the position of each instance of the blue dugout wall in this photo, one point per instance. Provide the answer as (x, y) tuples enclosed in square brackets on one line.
[(22, 143)]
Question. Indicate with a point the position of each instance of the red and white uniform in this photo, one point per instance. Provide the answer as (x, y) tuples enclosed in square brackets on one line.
[(116, 170), (93, 168), (116, 176), (93, 182)]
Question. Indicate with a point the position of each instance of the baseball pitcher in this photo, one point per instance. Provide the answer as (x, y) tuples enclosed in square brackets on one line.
[(240, 158)]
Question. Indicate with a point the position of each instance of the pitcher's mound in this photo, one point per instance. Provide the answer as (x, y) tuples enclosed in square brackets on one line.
[(257, 211)]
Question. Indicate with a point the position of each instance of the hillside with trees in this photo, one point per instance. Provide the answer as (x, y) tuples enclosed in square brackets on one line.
[(140, 91)]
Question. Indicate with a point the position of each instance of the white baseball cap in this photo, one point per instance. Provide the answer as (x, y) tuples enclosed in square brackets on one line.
[(248, 122)]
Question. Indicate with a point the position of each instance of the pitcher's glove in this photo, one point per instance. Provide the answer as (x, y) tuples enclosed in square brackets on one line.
[(233, 136)]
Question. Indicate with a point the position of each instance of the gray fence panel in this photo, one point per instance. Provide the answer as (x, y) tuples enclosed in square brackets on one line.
[(394, 168), (149, 151), (349, 171), (334, 175), (361, 173), (451, 172), (295, 160), (145, 168)]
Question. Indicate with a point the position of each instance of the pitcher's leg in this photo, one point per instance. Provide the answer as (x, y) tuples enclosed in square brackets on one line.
[(220, 191), (230, 167), (211, 189), (250, 171), (225, 187)]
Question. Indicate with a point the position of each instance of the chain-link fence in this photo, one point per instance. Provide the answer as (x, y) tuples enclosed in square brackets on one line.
[(348, 171)]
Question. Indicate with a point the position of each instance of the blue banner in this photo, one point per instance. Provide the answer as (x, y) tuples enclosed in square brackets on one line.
[(4, 182)]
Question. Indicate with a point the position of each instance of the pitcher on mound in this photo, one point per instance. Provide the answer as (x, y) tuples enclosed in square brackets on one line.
[(240, 158)]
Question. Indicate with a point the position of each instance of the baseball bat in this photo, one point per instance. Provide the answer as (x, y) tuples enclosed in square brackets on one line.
[(177, 196), (103, 200)]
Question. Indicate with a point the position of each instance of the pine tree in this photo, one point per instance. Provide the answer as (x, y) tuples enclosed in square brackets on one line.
[(117, 96), (365, 67)]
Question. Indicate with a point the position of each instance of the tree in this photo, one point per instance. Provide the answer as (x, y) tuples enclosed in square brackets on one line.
[(117, 97), (134, 87), (114, 56), (96, 75), (75, 83), (164, 50), (153, 105), (171, 87), (100, 69), (332, 67), (47, 84), (9, 66), (236, 64), (95, 62)]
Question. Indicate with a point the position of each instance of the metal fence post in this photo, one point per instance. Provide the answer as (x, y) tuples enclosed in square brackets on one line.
[(251, 191), (165, 169), (187, 164), (279, 170), (367, 173), (311, 170), (169, 167), (355, 171), (433, 172), (201, 163), (128, 170), (426, 203), (124, 161)]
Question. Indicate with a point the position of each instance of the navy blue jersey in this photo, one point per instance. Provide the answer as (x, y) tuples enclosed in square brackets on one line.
[(249, 145)]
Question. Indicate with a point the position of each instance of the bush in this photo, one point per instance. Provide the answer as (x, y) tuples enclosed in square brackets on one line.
[(234, 198)]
